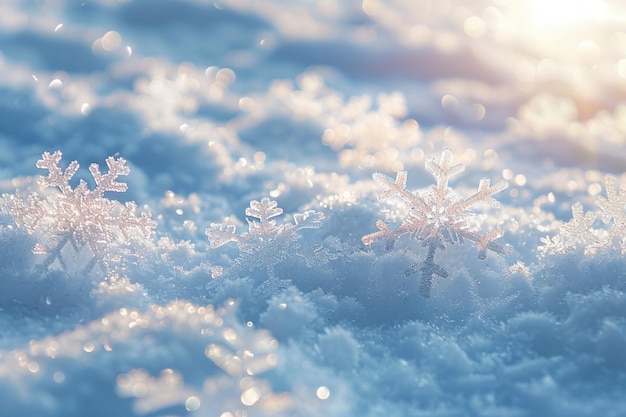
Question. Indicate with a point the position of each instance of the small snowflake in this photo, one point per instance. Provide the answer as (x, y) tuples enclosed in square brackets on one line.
[(437, 216), (265, 244), (580, 232), (80, 217)]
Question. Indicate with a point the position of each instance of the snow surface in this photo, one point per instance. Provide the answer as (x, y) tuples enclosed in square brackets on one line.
[(217, 104)]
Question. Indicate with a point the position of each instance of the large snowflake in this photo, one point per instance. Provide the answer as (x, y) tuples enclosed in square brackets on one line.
[(265, 244), (437, 216), (93, 229)]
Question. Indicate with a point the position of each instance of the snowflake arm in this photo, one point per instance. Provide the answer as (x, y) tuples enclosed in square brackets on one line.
[(310, 219), (484, 194), (27, 213), (443, 170), (142, 224), (580, 224), (613, 205), (56, 177), (264, 210), (106, 182), (384, 232), (220, 234), (398, 188), (428, 268), (486, 242)]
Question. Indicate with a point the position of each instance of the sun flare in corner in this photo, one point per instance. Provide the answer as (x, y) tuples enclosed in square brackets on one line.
[(564, 12)]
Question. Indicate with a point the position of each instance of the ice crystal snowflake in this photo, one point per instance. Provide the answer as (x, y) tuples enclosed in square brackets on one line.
[(265, 243), (79, 217), (437, 216), (579, 232)]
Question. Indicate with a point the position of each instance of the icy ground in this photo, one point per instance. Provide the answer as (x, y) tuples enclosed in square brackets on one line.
[(241, 208)]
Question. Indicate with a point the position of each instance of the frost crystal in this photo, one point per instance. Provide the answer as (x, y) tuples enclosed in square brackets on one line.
[(80, 217), (437, 216), (579, 232), (265, 243)]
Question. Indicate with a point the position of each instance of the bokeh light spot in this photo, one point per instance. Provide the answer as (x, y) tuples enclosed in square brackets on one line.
[(111, 41), (474, 27), (322, 392), (562, 12), (192, 403)]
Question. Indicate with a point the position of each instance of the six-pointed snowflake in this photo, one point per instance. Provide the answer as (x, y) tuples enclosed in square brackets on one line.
[(265, 243), (437, 216), (78, 219)]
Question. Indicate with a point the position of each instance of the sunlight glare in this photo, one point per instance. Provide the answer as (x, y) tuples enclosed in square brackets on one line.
[(562, 12)]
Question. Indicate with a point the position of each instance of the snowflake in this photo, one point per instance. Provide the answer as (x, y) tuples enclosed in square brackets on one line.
[(80, 217), (437, 216), (265, 243), (579, 232)]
